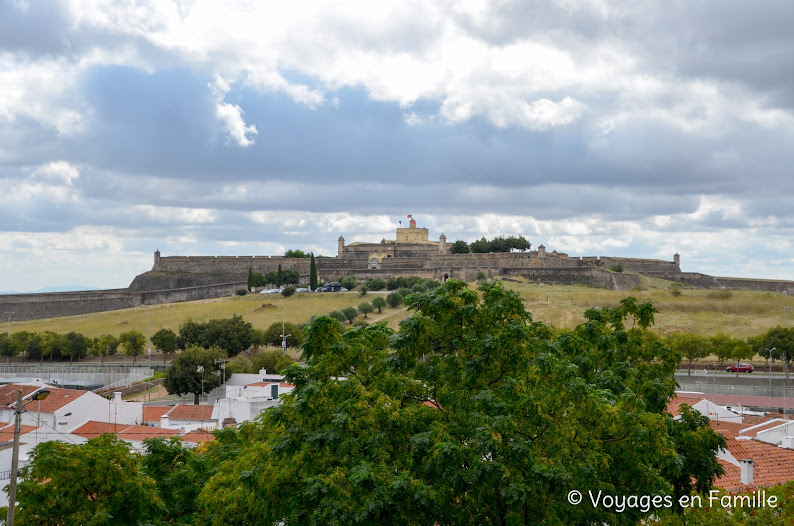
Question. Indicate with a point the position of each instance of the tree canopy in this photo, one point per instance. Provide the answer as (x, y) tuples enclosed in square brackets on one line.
[(471, 414), (194, 370), (98, 483)]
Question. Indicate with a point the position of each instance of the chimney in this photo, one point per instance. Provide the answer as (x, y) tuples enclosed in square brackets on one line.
[(164, 422), (747, 472), (116, 397)]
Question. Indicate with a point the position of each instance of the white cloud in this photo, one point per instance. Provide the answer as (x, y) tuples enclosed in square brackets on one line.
[(231, 115), (57, 172)]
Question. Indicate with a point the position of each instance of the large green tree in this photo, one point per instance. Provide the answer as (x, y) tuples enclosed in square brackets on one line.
[(194, 371), (471, 414), (274, 339), (232, 334), (104, 346), (98, 483), (690, 346), (166, 341), (133, 342)]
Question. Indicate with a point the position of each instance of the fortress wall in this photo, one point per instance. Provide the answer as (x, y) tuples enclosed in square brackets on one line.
[(575, 276), (642, 265), (231, 265), (51, 305), (155, 297), (151, 281), (783, 287), (365, 274)]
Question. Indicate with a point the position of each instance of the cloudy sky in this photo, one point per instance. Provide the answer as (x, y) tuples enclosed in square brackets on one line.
[(594, 127)]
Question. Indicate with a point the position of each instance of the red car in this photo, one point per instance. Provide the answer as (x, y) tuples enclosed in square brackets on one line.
[(742, 368)]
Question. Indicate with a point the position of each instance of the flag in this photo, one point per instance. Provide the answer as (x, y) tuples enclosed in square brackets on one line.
[(409, 216)]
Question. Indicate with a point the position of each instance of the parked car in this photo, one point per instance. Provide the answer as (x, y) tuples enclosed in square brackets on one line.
[(332, 287), (270, 291), (742, 368)]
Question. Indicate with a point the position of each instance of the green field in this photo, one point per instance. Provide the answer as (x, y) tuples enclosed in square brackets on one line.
[(743, 314)]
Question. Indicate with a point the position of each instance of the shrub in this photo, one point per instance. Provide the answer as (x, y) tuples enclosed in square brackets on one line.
[(394, 299), (616, 267), (337, 315), (721, 294), (360, 323), (675, 290), (349, 282), (480, 276), (363, 290), (241, 292), (288, 291), (393, 284), (404, 291), (375, 284)]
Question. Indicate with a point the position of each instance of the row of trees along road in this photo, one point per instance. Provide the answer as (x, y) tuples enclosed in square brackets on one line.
[(471, 414), (776, 343), (70, 346)]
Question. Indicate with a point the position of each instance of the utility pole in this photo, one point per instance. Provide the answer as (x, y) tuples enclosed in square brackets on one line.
[(149, 336), (785, 310), (283, 333), (9, 322)]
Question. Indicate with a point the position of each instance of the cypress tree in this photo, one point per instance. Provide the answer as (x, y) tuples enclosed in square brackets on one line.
[(279, 276), (250, 278), (313, 274)]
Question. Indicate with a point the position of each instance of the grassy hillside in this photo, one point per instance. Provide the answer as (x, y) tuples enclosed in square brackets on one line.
[(259, 309), (744, 313), (701, 311)]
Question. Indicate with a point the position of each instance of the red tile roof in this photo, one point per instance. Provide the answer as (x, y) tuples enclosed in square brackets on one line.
[(198, 436), (7, 433), (771, 465), (144, 432), (56, 400), (191, 412), (675, 403), (153, 413), (93, 429)]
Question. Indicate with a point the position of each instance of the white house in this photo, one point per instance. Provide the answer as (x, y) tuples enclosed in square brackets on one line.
[(65, 409)]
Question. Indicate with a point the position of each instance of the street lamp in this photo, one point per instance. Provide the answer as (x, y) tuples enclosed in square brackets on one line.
[(770, 368), (283, 333), (39, 395)]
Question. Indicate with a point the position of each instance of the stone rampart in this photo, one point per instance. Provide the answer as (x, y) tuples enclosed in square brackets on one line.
[(155, 297), (783, 287), (589, 276), (55, 304), (162, 281), (229, 265)]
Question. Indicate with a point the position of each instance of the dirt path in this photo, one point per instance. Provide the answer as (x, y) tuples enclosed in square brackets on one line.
[(157, 393)]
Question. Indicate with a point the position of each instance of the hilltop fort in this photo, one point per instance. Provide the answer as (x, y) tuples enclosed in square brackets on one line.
[(410, 253)]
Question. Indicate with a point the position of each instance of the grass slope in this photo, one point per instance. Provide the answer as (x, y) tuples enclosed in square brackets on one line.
[(745, 313)]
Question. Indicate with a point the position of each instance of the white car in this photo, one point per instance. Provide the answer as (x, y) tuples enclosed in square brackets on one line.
[(270, 291)]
